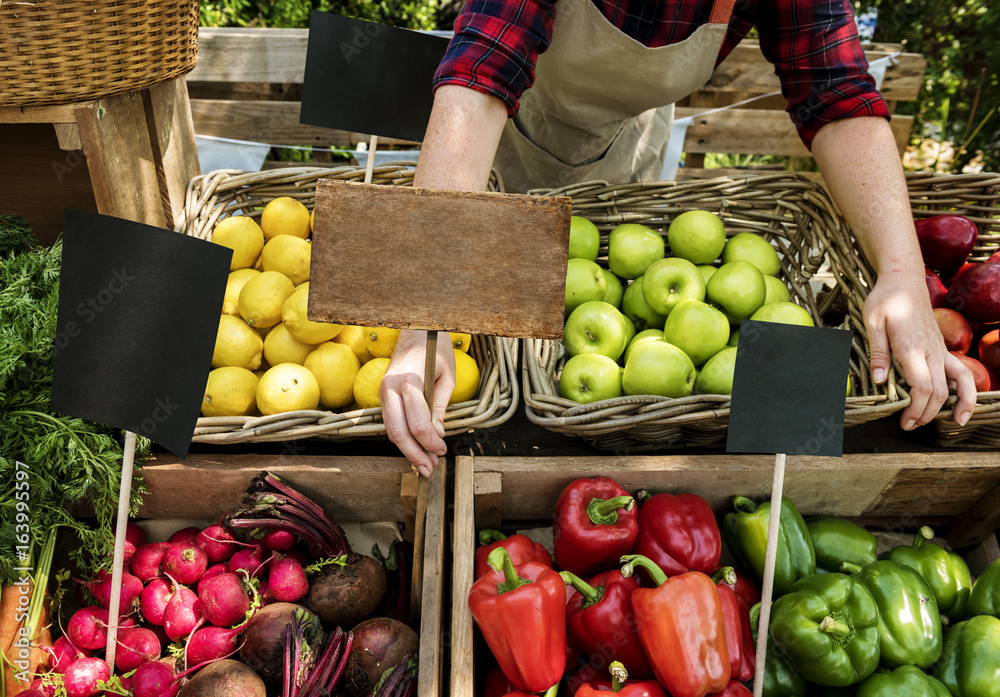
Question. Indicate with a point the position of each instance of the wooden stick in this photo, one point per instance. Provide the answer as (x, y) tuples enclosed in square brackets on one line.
[(430, 368), (372, 145), (773, 528), (118, 560)]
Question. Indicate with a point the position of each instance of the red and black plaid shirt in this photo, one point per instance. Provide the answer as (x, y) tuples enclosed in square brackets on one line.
[(813, 45)]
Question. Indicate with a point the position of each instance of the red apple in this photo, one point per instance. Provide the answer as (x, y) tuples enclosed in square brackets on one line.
[(994, 380), (980, 373), (988, 350), (976, 293), (949, 277), (935, 287), (946, 240), (995, 256), (955, 329)]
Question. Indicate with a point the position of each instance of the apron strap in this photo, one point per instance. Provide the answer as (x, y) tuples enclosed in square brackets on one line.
[(722, 10)]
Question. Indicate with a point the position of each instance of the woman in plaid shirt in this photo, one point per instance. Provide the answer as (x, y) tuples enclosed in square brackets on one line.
[(555, 94)]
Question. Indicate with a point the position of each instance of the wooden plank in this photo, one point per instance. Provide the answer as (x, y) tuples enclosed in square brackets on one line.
[(168, 116), (54, 113), (928, 489), (369, 242), (408, 494), (68, 135), (489, 499), (985, 553), (759, 131), (462, 683), (431, 657), (250, 55), (418, 544), (977, 523)]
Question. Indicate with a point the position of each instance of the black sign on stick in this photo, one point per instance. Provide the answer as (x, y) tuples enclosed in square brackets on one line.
[(368, 77), (139, 310), (789, 390)]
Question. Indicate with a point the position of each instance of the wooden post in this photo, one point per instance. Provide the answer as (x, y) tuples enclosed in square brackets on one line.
[(118, 559), (773, 527)]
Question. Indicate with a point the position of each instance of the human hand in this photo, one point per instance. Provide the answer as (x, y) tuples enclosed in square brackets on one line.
[(899, 318), (408, 422)]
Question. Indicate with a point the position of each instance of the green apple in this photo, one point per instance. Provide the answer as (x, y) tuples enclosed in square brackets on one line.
[(658, 368), (777, 291), (734, 338), (784, 313), (632, 248), (641, 337), (716, 376), (848, 384), (697, 329), (697, 236), (584, 281), (590, 377), (707, 270), (613, 296), (629, 331), (584, 239), (596, 327), (752, 248), (737, 289), (668, 281), (635, 307)]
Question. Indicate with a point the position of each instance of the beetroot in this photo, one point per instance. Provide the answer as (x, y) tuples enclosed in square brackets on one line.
[(147, 561), (87, 628), (154, 679), (343, 596), (64, 653), (128, 598), (278, 540), (184, 535), (224, 600), (224, 679), (153, 600), (212, 643), (136, 646), (264, 639), (218, 543), (183, 614), (185, 562), (82, 676), (379, 644), (211, 572), (287, 581), (135, 537), (247, 559)]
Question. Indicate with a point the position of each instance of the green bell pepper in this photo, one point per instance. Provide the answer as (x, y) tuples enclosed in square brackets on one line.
[(909, 624), (905, 681), (970, 664), (780, 679), (827, 625), (945, 572), (838, 540), (746, 536), (814, 690), (985, 596)]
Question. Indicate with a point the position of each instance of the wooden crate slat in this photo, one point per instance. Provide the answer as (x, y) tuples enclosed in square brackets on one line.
[(462, 680), (432, 584)]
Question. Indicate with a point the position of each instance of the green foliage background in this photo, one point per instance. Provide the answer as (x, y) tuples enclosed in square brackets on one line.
[(408, 14)]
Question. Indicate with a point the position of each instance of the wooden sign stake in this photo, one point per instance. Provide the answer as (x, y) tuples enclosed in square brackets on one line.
[(773, 528), (118, 560)]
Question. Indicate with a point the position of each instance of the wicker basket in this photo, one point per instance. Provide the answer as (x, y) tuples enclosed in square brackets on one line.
[(789, 210), (226, 192), (976, 196), (59, 51)]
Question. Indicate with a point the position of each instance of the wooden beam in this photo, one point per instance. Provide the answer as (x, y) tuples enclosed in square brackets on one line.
[(168, 118), (978, 523)]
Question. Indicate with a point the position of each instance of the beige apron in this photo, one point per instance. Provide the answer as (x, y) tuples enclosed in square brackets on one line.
[(602, 103)]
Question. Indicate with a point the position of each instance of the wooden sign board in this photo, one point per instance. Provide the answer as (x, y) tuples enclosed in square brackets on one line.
[(470, 261)]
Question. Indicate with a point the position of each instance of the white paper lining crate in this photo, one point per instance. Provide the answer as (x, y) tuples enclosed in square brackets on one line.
[(227, 192), (958, 494)]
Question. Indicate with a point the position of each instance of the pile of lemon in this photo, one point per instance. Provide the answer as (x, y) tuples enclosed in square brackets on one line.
[(269, 356)]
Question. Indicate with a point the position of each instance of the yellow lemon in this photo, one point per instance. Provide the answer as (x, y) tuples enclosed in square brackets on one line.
[(335, 367), (237, 344), (367, 382), (282, 347), (243, 236), (285, 216), (258, 265), (230, 391), (380, 341), (293, 315), (354, 338), (237, 279), (312, 219), (463, 342), (304, 284), (288, 255), (262, 298), (466, 378), (287, 387)]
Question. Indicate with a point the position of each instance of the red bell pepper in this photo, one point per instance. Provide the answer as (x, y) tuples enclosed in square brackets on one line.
[(599, 620), (594, 525), (522, 614), (620, 686), (682, 629), (743, 587), (679, 534), (739, 636), (520, 548), (497, 684), (734, 689)]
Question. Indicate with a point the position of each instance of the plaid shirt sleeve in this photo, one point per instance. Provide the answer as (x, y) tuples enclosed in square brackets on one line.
[(495, 47), (816, 53)]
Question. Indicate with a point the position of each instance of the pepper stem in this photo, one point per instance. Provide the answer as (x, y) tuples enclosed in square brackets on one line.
[(755, 616), (726, 574), (849, 568), (618, 676), (743, 504), (837, 628), (499, 560), (590, 594), (552, 691), (637, 560), (605, 511), (925, 534), (488, 536)]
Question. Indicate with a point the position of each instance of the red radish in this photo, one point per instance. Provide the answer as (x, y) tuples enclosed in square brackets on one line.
[(224, 600), (249, 559), (185, 562), (64, 653), (125, 622), (147, 560), (160, 634), (211, 572), (278, 540), (295, 553), (287, 581), (184, 535), (135, 537), (82, 676), (154, 679), (136, 646), (153, 600), (40, 688), (87, 628), (184, 612), (212, 643), (218, 542), (264, 592), (34, 692), (100, 588)]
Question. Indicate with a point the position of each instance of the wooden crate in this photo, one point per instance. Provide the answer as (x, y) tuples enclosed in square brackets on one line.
[(958, 493), (350, 489)]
